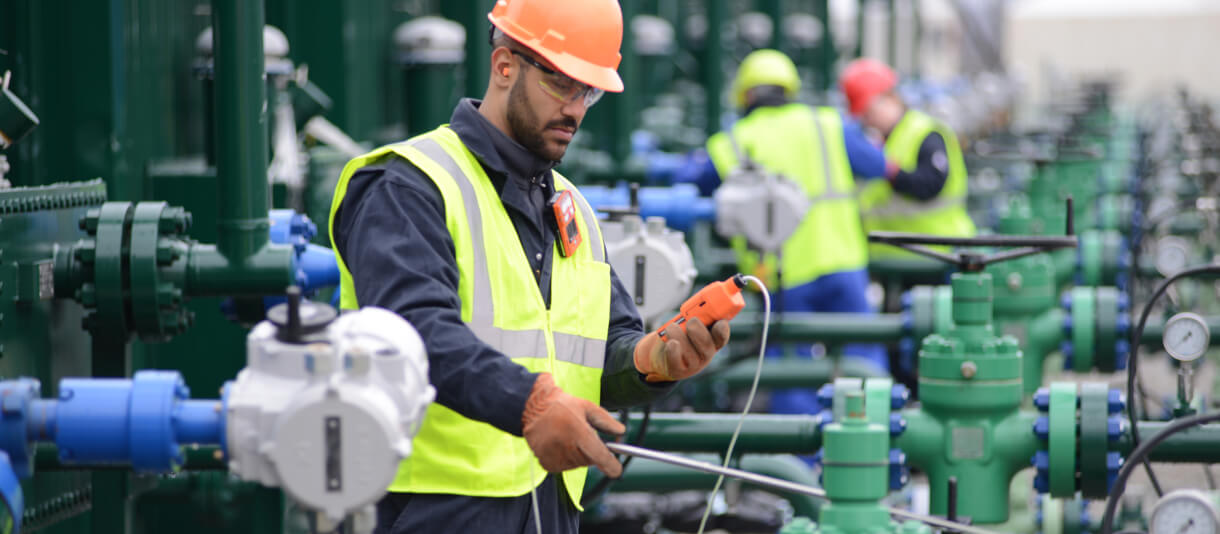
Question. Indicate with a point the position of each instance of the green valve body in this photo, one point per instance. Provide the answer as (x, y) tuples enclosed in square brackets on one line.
[(855, 473), (969, 425)]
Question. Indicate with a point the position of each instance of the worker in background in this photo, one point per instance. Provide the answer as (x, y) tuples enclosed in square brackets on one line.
[(925, 187), (498, 262), (822, 266)]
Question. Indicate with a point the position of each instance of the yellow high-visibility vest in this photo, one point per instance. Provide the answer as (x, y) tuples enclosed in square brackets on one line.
[(884, 210), (806, 145), (502, 305)]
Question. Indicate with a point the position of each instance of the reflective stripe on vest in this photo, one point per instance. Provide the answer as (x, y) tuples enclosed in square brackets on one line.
[(806, 145), (502, 305)]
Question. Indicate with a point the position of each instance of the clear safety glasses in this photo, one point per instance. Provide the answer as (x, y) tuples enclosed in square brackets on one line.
[(560, 86)]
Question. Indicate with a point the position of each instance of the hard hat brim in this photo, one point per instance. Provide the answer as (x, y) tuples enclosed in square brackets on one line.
[(592, 74)]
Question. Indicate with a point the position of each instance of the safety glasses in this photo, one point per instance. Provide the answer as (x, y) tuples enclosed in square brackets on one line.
[(560, 86)]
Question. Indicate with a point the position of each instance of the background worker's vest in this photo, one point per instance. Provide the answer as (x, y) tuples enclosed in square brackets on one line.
[(502, 304), (805, 145), (885, 210)]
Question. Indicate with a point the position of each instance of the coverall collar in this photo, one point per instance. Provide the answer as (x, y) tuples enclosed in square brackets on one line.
[(497, 151)]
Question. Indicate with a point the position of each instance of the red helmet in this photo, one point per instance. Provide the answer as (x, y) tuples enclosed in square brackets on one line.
[(864, 79)]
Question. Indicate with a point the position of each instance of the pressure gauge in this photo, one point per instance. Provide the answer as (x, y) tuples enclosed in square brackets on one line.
[(1186, 336), (1172, 255), (1185, 512)]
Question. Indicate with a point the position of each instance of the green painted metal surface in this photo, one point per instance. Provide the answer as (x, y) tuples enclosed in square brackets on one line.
[(761, 434), (855, 471)]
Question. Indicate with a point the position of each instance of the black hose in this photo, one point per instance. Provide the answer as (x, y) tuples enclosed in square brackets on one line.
[(1133, 361), (1140, 454)]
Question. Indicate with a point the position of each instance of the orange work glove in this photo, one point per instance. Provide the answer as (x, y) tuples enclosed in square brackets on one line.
[(559, 429), (683, 354)]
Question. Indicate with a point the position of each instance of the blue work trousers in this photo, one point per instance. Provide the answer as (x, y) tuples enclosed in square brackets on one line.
[(835, 292)]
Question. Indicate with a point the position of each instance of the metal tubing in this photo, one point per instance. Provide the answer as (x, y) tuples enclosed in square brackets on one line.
[(828, 327), (713, 68), (760, 434), (654, 477), (198, 421), (241, 128), (776, 483), (1196, 445)]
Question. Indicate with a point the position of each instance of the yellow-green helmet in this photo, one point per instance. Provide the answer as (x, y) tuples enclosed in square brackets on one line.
[(765, 67)]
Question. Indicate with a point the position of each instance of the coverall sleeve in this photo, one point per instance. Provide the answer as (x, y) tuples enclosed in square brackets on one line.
[(931, 171), (867, 160), (391, 232), (622, 385)]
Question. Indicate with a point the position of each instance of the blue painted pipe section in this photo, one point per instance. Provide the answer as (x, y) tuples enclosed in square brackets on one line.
[(680, 204), (141, 421), (316, 265), (198, 421)]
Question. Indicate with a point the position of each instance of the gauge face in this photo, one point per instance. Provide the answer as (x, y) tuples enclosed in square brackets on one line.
[(1186, 336), (1184, 512), (1172, 255)]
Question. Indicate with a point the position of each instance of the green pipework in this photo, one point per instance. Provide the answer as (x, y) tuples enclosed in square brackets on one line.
[(657, 477), (784, 373), (712, 64), (827, 54), (431, 70), (775, 10), (1154, 331), (1200, 444), (969, 425), (760, 434), (827, 327), (246, 262), (855, 472)]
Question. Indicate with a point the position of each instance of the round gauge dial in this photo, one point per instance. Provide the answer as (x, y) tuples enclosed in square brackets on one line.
[(1184, 512), (1172, 255), (1186, 336)]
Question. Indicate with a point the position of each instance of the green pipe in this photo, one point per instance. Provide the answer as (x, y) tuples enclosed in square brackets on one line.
[(827, 54), (1154, 331), (775, 10), (713, 67), (241, 128), (1197, 445), (657, 477), (827, 327), (760, 434), (911, 270), (210, 274), (794, 373)]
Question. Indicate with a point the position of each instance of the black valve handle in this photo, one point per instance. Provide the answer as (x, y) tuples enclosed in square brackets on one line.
[(973, 261)]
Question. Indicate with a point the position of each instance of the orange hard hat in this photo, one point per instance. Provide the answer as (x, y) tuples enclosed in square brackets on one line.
[(580, 37), (863, 80)]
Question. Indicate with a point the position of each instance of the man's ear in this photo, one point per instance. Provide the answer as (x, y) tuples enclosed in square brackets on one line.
[(501, 67)]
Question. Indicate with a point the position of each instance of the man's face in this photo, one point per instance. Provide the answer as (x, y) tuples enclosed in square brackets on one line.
[(539, 121), (883, 113)]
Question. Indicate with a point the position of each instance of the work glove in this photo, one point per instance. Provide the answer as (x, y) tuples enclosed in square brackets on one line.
[(682, 354), (559, 428)]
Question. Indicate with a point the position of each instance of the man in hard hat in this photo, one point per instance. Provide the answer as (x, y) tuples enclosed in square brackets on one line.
[(823, 265), (925, 189), (498, 262)]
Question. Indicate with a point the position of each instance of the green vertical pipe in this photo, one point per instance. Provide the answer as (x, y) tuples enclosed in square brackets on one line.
[(626, 109), (713, 67), (473, 15), (826, 51), (861, 8), (241, 128), (775, 10)]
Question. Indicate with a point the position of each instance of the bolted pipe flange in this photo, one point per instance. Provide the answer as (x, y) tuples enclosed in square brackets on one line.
[(900, 474), (899, 396)]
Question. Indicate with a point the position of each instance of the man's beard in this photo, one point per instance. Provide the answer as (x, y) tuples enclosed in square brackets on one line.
[(524, 127)]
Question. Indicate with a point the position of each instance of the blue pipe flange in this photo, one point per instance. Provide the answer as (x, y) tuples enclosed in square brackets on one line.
[(16, 439), (106, 421)]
